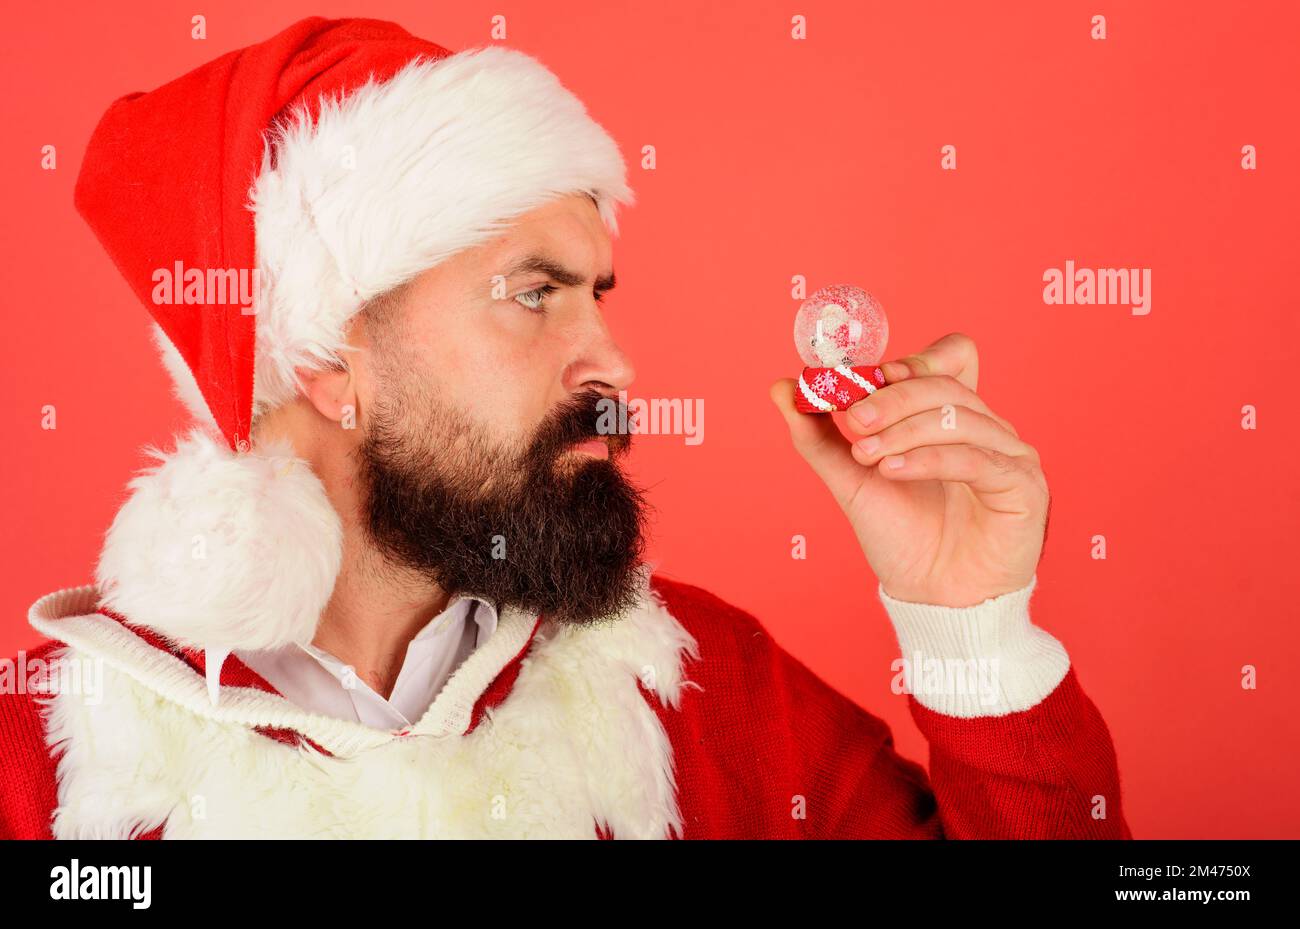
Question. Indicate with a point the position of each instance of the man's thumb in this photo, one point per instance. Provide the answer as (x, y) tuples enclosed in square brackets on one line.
[(815, 436)]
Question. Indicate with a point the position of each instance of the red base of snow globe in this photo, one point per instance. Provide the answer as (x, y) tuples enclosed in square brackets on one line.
[(829, 390)]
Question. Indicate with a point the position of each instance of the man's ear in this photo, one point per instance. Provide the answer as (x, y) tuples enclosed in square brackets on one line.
[(332, 391)]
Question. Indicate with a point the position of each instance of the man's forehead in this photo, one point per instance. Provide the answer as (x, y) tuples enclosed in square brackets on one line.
[(568, 231)]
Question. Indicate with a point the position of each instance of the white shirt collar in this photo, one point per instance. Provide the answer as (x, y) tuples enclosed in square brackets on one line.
[(316, 680), (481, 610)]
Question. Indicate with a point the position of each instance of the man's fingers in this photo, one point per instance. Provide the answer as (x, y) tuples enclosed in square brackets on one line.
[(896, 402), (954, 355), (1010, 481), (953, 425)]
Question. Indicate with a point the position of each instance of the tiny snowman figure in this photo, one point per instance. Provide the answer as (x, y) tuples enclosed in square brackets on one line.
[(840, 332)]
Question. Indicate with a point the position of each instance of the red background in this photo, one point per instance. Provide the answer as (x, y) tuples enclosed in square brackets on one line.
[(778, 157)]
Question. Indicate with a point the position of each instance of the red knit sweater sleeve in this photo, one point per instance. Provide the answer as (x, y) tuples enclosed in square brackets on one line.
[(766, 749), (28, 792), (1046, 772)]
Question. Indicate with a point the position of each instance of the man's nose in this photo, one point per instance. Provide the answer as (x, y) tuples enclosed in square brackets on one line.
[(602, 365)]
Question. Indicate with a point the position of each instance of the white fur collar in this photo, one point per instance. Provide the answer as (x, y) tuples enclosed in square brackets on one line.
[(575, 744)]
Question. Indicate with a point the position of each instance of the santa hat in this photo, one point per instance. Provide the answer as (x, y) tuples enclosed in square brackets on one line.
[(337, 160)]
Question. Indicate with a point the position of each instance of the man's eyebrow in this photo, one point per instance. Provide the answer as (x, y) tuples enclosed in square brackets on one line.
[(540, 264)]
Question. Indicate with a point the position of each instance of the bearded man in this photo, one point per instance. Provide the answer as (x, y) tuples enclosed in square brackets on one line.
[(392, 584)]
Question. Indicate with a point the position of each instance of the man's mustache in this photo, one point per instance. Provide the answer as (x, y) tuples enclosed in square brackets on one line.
[(578, 419)]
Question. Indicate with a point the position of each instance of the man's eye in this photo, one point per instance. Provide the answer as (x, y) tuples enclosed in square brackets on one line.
[(535, 299)]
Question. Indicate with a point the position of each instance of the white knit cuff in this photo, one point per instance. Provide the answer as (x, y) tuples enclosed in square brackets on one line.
[(983, 660)]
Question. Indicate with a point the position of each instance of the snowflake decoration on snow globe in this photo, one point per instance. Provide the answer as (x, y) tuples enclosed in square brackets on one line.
[(840, 332)]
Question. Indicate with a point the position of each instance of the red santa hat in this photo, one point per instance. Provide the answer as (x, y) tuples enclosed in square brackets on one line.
[(255, 205)]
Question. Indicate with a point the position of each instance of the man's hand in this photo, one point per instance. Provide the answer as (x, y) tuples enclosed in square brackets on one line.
[(950, 506)]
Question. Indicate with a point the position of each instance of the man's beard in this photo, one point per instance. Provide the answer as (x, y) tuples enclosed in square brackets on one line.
[(548, 531)]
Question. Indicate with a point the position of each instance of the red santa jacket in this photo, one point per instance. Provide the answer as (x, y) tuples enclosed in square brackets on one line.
[(682, 719)]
